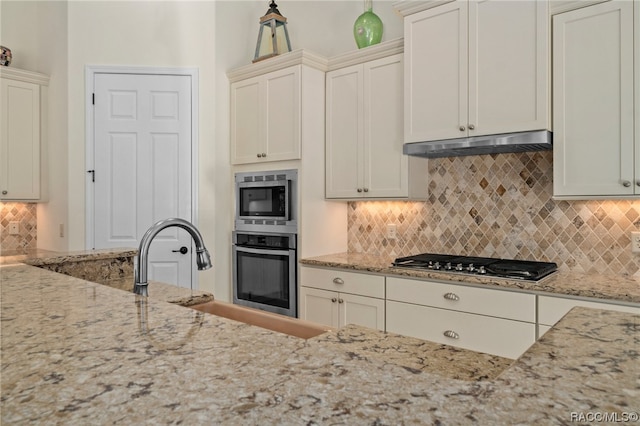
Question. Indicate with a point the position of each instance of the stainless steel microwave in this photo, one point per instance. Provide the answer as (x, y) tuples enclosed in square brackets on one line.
[(266, 201)]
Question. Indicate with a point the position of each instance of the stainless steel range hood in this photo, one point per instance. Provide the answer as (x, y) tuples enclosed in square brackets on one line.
[(538, 140)]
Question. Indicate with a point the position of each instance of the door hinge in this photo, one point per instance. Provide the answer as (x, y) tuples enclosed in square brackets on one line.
[(93, 98), (93, 175)]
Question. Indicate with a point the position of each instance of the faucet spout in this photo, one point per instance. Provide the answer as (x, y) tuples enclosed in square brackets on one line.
[(203, 259)]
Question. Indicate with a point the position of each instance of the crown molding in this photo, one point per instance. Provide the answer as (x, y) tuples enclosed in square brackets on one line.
[(295, 57), (24, 75)]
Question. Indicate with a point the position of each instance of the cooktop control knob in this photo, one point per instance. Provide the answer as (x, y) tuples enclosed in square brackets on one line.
[(436, 265), (471, 268), (448, 266), (481, 270), (459, 267)]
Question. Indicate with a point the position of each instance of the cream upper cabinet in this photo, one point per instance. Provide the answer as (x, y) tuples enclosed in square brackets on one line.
[(22, 134), (364, 119), (596, 154), (265, 117), (476, 68)]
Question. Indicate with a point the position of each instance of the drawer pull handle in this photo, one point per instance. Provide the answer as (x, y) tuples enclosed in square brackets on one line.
[(451, 334), (338, 280), (334, 300), (451, 296)]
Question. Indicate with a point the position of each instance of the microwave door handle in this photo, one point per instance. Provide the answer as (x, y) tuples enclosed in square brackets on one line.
[(263, 251)]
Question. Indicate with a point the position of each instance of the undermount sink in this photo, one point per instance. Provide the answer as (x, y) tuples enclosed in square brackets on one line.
[(274, 322)]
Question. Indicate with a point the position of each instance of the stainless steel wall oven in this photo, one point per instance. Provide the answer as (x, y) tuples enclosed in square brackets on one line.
[(264, 271)]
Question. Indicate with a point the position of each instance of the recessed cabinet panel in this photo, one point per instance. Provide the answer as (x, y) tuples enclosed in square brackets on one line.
[(245, 121), (593, 102), (283, 115)]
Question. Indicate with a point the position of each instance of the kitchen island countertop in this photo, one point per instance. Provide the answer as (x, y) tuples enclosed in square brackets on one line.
[(86, 353)]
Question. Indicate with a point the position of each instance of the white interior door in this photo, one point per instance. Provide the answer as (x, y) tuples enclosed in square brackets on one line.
[(142, 162)]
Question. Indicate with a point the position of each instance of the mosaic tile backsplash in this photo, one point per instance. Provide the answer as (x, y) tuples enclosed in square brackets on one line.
[(501, 206), (25, 215)]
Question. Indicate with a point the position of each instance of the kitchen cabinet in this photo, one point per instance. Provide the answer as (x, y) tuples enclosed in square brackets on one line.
[(265, 117), (337, 298), (552, 308), (23, 115), (364, 125), (485, 320), (596, 153), (476, 68)]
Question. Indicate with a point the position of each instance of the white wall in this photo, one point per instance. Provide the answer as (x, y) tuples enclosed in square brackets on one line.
[(61, 38), (36, 33)]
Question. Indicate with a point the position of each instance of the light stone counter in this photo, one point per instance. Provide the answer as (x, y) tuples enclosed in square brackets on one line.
[(76, 352), (616, 288), (111, 267)]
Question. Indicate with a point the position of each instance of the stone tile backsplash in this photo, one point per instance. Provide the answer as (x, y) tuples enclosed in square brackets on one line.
[(501, 206), (25, 215)]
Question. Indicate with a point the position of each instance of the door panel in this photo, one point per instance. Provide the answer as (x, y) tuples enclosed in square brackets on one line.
[(142, 148)]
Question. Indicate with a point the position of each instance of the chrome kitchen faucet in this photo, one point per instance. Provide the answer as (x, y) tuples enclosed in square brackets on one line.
[(203, 259)]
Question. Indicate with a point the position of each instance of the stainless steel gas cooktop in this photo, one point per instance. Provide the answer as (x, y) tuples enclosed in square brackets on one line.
[(487, 266)]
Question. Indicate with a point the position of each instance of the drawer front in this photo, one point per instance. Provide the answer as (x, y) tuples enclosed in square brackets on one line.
[(495, 303), (496, 336), (343, 281), (551, 309)]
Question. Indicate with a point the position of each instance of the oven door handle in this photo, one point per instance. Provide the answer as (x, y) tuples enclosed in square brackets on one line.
[(285, 252)]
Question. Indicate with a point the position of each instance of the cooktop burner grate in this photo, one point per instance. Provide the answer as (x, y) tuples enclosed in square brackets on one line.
[(505, 268)]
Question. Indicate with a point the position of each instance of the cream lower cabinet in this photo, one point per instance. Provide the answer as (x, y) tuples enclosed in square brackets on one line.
[(23, 112), (485, 320), (551, 309), (595, 152), (337, 298)]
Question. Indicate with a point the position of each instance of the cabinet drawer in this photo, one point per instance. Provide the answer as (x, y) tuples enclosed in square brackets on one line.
[(551, 309), (495, 303), (480, 333), (342, 281)]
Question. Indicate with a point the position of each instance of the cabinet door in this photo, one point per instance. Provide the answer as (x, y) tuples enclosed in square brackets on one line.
[(435, 76), (246, 121), (480, 333), (344, 138), (282, 115), (19, 140), (508, 66), (319, 306), (593, 153), (360, 310), (385, 166)]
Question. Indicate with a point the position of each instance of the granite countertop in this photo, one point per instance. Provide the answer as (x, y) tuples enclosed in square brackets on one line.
[(77, 352), (110, 267), (613, 288)]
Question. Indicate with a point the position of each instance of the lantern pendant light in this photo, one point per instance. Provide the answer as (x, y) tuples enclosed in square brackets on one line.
[(273, 38)]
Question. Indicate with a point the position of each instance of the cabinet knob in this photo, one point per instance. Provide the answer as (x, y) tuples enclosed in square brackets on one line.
[(338, 280), (462, 128), (638, 183), (340, 301), (451, 334), (626, 183), (366, 190), (4, 192), (471, 127), (451, 296), (259, 155), (334, 300), (264, 154), (359, 189)]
